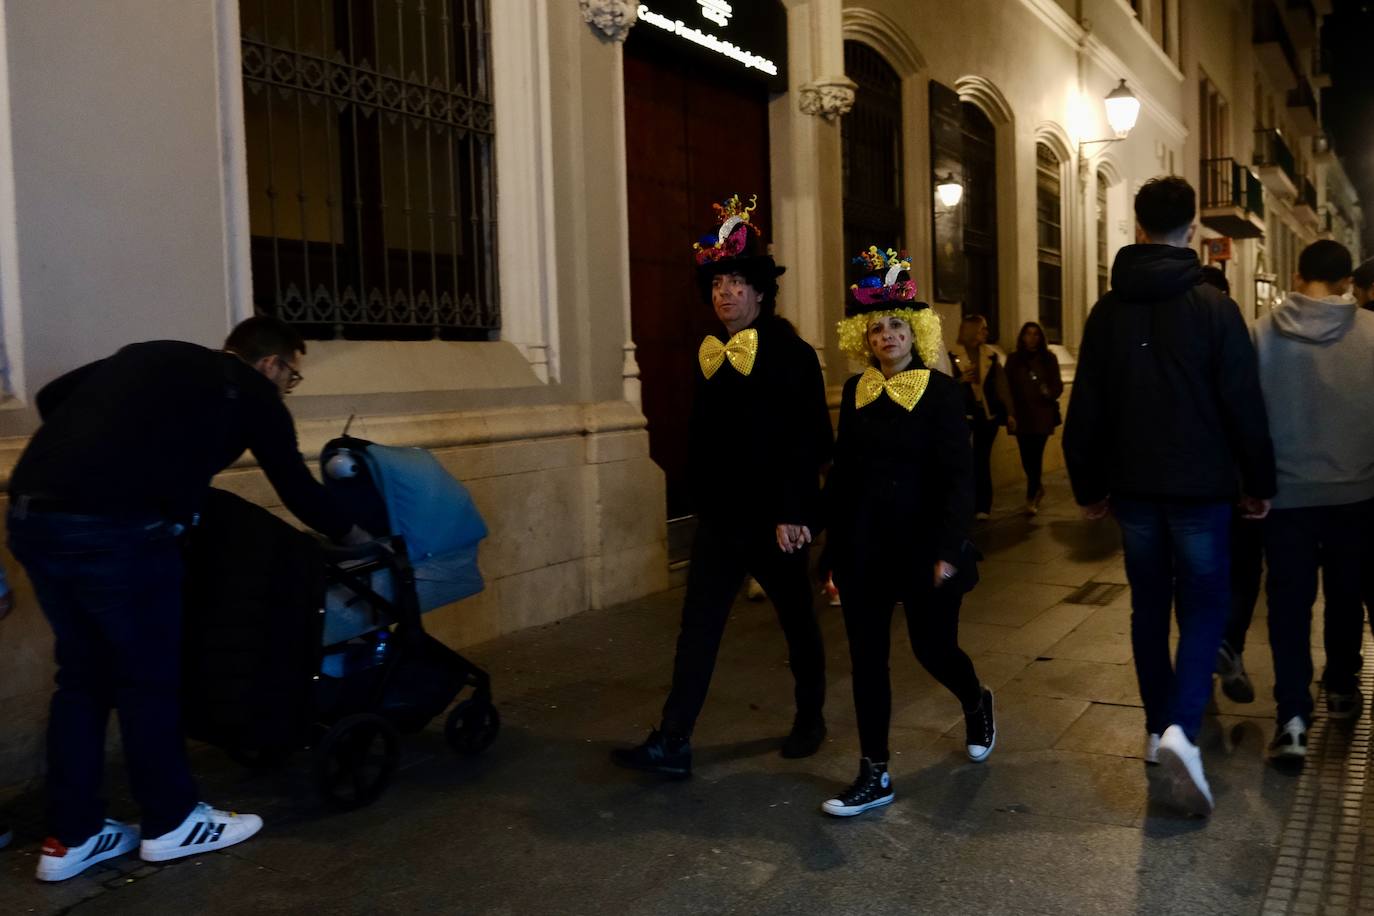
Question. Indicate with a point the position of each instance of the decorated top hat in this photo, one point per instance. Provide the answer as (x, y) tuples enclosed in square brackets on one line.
[(735, 247), (886, 290)]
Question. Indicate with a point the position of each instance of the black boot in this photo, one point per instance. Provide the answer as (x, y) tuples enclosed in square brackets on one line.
[(658, 754), (805, 739), (872, 789)]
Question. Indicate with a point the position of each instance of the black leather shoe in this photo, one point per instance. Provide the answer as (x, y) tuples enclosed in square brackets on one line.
[(658, 754), (806, 737)]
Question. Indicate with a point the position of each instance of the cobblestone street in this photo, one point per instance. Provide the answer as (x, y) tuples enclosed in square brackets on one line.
[(1060, 819)]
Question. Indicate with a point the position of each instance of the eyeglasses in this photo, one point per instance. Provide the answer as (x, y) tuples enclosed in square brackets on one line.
[(295, 378)]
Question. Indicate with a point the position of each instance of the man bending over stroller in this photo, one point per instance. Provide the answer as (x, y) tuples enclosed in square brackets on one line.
[(114, 475)]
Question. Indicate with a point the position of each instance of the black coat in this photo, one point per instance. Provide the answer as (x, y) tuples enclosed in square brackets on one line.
[(1035, 383), (758, 443), (144, 430), (1166, 399), (901, 488)]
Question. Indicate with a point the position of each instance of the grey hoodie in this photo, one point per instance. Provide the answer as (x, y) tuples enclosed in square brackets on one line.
[(1316, 361)]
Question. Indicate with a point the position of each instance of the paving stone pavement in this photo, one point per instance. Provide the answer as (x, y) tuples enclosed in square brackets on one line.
[(1062, 818)]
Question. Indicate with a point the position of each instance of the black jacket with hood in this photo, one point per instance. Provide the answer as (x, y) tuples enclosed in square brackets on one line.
[(1166, 401)]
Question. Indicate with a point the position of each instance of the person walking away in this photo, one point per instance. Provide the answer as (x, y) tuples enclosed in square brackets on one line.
[(98, 501), (1165, 417), (978, 365), (759, 437), (899, 501), (1247, 567), (1316, 364), (1035, 383)]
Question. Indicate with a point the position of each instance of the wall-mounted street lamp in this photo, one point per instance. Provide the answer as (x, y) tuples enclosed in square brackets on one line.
[(1123, 109), (949, 190)]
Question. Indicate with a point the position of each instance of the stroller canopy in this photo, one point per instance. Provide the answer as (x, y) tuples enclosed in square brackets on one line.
[(427, 506)]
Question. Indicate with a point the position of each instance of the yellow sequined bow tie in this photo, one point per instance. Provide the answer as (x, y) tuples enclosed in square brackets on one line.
[(905, 388), (741, 350)]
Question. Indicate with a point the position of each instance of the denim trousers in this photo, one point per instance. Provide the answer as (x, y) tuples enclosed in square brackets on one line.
[(111, 590), (1335, 540), (1178, 555)]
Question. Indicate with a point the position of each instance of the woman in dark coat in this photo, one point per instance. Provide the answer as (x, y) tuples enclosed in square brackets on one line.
[(900, 502), (1033, 374)]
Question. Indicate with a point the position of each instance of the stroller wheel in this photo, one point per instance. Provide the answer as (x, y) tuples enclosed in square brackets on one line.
[(472, 726), (355, 760)]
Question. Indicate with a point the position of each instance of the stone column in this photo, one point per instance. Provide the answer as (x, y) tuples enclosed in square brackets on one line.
[(614, 19)]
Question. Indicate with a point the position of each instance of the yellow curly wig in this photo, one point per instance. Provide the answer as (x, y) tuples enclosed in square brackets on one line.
[(925, 328)]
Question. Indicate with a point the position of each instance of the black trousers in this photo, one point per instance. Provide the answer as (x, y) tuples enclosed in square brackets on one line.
[(984, 432), (1297, 543), (932, 623), (1247, 567), (1032, 461), (721, 558)]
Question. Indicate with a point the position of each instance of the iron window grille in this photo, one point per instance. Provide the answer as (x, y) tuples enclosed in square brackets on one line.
[(371, 172)]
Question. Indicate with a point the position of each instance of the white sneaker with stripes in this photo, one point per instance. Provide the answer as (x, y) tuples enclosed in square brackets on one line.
[(205, 829), (58, 862)]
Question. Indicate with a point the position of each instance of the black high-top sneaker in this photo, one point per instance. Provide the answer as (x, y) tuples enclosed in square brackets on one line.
[(980, 729), (658, 754), (805, 738), (872, 789)]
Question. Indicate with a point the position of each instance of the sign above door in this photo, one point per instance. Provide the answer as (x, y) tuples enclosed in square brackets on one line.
[(747, 37)]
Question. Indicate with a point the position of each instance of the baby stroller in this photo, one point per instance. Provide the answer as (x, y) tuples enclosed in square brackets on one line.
[(292, 643)]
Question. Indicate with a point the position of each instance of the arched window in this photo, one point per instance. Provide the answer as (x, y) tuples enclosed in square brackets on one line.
[(871, 138), (1049, 238), (980, 216), (963, 146), (1104, 267)]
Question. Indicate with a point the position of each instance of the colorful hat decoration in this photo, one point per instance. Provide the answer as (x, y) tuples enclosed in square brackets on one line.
[(888, 291), (736, 246), (874, 289), (731, 240)]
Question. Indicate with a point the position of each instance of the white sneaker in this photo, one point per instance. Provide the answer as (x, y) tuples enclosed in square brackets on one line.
[(1290, 741), (982, 516), (58, 862), (1182, 764), (205, 829), (1152, 749)]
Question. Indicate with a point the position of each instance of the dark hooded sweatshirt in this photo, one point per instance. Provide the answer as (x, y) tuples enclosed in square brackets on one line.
[(1166, 401)]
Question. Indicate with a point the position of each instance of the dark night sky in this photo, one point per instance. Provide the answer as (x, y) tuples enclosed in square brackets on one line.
[(1348, 106)]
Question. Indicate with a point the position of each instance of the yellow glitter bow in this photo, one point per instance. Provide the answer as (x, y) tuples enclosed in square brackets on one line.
[(741, 350), (905, 388)]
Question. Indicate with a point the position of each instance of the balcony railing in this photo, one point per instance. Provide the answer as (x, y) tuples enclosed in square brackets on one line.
[(1301, 17), (1321, 67), (1302, 107), (1232, 199), (1270, 36), (1272, 151), (1307, 195)]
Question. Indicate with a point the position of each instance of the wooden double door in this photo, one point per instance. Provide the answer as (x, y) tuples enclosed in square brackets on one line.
[(694, 137)]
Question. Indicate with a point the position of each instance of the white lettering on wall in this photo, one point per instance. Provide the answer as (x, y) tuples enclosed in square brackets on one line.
[(709, 42), (718, 11)]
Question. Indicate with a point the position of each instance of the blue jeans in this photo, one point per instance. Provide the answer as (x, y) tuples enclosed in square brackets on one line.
[(1177, 554), (111, 590)]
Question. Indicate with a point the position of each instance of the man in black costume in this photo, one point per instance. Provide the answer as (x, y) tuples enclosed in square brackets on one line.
[(760, 435)]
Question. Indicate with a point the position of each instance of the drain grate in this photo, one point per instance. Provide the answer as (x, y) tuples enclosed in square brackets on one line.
[(1097, 593)]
